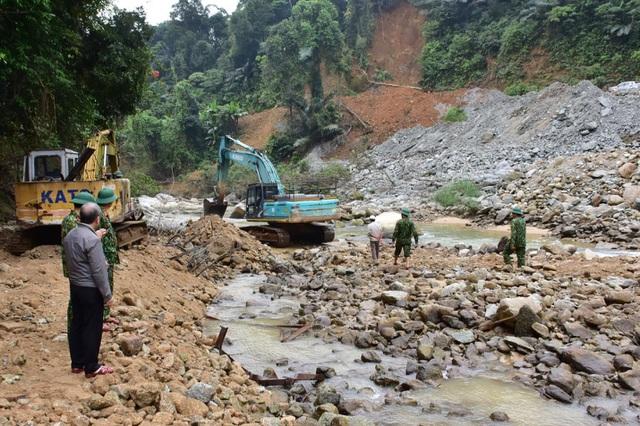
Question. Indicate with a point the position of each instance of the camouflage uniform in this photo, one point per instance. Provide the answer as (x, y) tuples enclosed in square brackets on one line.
[(110, 249), (517, 243), (402, 234), (68, 224)]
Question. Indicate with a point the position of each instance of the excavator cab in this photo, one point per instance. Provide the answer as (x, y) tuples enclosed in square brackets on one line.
[(48, 165), (257, 194)]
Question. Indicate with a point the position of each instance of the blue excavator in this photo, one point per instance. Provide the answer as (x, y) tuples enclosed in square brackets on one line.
[(290, 217)]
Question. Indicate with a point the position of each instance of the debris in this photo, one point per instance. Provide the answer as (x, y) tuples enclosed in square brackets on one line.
[(300, 331), (279, 381)]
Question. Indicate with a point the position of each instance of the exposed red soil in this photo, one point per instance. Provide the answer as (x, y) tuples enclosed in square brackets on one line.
[(397, 43), (389, 109), (255, 129)]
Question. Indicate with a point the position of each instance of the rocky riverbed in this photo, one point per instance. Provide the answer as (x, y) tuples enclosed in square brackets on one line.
[(567, 154), (564, 325)]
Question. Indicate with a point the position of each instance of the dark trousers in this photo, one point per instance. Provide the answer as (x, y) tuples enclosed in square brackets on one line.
[(85, 333)]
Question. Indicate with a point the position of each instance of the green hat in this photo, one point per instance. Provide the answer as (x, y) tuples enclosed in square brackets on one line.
[(406, 212), (106, 196), (516, 210), (83, 197)]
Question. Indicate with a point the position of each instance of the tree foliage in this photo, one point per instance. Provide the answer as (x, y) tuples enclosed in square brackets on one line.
[(587, 39)]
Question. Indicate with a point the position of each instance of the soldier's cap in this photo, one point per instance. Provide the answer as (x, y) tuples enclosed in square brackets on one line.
[(106, 196), (405, 212), (83, 197), (516, 210)]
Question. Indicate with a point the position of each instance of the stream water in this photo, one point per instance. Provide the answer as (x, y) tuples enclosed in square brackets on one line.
[(451, 234), (254, 341)]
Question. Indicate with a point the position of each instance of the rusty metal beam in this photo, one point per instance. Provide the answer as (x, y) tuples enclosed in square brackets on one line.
[(263, 381)]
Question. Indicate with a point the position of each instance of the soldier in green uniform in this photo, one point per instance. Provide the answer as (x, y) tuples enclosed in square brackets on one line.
[(106, 197), (402, 234), (69, 223), (518, 241)]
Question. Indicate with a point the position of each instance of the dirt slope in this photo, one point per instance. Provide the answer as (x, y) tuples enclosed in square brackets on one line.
[(397, 43), (158, 304), (255, 129), (389, 109)]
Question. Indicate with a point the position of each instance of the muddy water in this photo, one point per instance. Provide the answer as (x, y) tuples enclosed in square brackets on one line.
[(449, 234), (469, 399)]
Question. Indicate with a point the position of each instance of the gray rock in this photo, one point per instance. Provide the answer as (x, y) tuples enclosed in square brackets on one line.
[(623, 362), (587, 361), (558, 394), (630, 379), (202, 392), (499, 416), (130, 344), (618, 297), (429, 372), (461, 336), (502, 216), (518, 344), (370, 356), (424, 352), (327, 394), (524, 322), (562, 378), (393, 297)]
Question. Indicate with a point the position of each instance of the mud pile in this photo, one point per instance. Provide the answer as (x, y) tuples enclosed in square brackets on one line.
[(210, 247)]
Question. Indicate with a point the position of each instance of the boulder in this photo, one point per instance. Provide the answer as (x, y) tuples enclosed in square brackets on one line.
[(146, 394), (524, 322), (558, 394), (387, 221), (499, 416), (189, 406), (130, 344), (627, 170), (630, 379), (631, 194), (562, 378), (394, 297), (614, 200), (518, 344), (461, 336), (587, 361), (327, 394), (502, 216), (370, 356), (424, 352), (331, 419), (201, 391), (618, 297), (238, 212), (510, 307)]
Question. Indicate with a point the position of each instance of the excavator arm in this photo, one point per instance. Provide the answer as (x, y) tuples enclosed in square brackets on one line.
[(248, 157)]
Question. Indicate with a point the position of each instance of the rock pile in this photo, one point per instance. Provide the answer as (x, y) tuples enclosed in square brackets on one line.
[(588, 196), (210, 247), (571, 337), (501, 135)]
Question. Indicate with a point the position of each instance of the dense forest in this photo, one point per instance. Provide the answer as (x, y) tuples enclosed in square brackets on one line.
[(69, 68)]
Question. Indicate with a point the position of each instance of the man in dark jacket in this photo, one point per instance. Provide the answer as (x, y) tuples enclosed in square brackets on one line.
[(90, 292), (404, 231), (518, 241)]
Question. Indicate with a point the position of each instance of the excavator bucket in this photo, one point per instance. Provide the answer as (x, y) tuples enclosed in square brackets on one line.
[(214, 206)]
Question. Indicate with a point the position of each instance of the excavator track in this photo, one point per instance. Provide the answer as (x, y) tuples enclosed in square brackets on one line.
[(271, 235), (130, 232)]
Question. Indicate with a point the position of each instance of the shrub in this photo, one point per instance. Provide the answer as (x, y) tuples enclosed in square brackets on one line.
[(143, 184), (382, 75), (454, 115), (520, 88), (460, 193)]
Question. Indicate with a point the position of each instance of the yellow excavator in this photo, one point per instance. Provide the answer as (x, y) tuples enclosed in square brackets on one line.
[(50, 179)]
